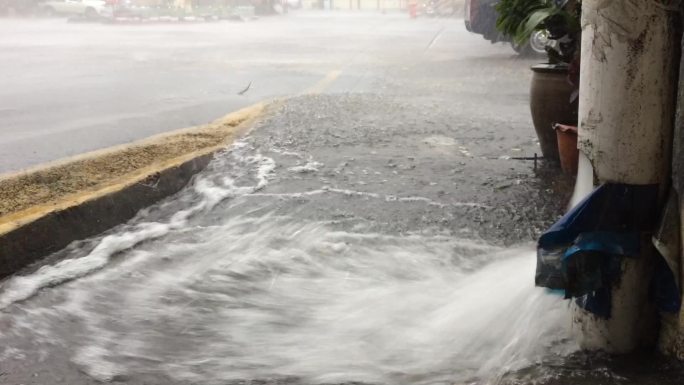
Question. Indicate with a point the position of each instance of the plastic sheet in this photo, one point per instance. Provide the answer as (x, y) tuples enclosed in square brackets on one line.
[(582, 252)]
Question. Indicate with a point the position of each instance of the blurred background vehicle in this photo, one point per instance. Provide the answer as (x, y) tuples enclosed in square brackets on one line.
[(429, 8), (130, 9), (440, 8), (18, 7), (480, 17), (90, 9)]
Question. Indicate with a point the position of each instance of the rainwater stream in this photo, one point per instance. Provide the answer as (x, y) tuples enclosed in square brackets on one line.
[(219, 284)]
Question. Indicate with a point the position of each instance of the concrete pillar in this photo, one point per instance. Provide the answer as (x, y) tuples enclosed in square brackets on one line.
[(672, 330), (626, 112)]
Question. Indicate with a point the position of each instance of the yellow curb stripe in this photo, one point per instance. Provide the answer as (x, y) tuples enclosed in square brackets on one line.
[(238, 122), (234, 118)]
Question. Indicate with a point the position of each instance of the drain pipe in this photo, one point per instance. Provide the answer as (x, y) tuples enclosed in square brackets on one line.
[(626, 111)]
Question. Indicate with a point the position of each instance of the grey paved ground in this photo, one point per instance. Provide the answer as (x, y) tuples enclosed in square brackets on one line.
[(376, 231), (70, 88)]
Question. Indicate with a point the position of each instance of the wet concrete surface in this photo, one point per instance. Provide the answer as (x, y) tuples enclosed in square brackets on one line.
[(71, 88), (397, 177), (397, 148)]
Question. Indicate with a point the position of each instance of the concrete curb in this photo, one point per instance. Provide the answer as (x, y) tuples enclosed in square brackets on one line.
[(39, 231)]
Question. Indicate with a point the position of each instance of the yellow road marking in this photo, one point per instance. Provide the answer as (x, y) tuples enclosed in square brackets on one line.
[(323, 84)]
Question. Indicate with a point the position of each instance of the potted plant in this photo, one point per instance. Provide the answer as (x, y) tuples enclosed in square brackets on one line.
[(553, 95)]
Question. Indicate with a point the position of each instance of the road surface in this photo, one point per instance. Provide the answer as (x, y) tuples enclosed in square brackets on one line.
[(373, 227), (71, 88)]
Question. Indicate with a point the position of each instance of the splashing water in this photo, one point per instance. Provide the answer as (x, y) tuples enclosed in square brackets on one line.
[(272, 296), (584, 183)]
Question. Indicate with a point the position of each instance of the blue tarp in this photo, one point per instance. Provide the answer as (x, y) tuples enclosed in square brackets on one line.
[(582, 252)]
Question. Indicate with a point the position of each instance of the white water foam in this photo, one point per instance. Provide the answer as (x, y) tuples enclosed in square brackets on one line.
[(20, 288), (584, 183), (310, 166), (330, 307), (271, 298), (365, 194)]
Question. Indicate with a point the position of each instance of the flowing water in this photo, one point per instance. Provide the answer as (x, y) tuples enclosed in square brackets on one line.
[(219, 284), (585, 180)]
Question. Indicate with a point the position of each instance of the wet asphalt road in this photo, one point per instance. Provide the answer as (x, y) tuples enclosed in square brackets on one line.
[(70, 88), (360, 206)]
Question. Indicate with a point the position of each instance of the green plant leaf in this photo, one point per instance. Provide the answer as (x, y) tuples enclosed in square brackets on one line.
[(533, 22), (513, 13)]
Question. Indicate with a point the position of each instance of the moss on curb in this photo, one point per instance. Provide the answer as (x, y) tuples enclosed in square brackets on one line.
[(55, 185)]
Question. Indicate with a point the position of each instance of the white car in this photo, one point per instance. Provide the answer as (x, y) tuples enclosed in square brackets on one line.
[(90, 9)]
